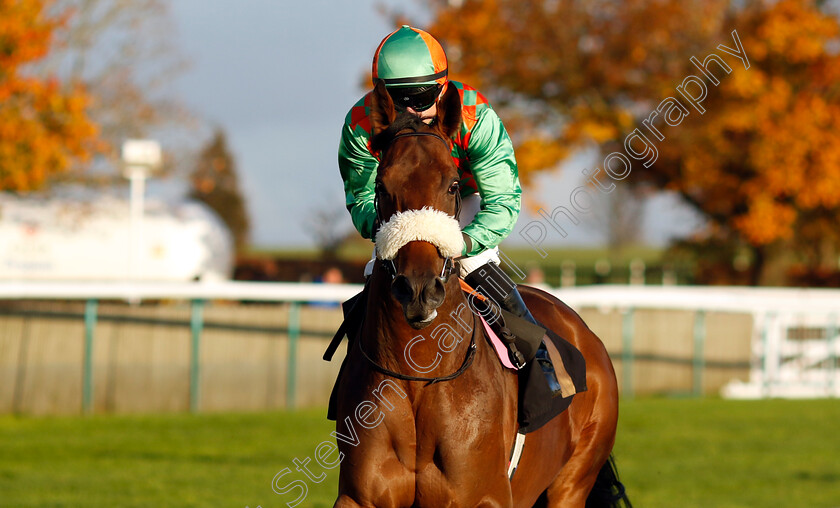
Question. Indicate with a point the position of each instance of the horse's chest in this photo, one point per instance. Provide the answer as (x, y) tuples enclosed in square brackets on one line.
[(445, 445), (458, 451)]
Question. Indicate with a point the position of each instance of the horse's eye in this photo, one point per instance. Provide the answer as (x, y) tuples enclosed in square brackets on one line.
[(454, 187), (378, 187)]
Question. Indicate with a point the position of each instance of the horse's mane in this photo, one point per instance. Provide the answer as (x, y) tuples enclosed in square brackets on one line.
[(402, 122)]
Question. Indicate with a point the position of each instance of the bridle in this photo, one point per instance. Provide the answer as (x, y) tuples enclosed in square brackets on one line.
[(449, 267)]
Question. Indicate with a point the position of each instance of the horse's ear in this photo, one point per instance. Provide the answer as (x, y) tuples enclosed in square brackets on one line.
[(449, 111), (382, 111)]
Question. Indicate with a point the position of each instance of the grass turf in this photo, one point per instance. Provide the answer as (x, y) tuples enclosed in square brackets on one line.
[(705, 453)]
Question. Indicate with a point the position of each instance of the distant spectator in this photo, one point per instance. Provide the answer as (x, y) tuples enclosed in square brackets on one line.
[(332, 276), (535, 277), (270, 273)]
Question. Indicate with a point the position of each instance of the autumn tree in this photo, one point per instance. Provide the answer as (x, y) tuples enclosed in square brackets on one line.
[(123, 50), (753, 143), (44, 121), (216, 183), (124, 53)]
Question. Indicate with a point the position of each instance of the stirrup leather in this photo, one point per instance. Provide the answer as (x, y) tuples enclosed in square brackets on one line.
[(524, 335)]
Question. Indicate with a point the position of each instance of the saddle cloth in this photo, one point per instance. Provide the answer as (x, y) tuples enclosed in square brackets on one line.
[(537, 406), (563, 377)]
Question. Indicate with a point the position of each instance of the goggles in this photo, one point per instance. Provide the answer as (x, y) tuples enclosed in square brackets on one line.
[(419, 98)]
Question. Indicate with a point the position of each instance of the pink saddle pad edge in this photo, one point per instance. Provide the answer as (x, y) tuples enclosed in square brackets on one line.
[(498, 345)]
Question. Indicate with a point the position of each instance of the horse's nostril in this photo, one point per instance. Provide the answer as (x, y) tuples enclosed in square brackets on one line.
[(434, 293), (401, 289)]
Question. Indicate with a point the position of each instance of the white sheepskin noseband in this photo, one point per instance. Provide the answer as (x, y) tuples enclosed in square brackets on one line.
[(426, 224)]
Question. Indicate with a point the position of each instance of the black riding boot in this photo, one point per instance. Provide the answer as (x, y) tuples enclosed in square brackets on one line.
[(492, 282)]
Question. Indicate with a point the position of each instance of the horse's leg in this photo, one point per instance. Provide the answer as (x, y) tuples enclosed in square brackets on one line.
[(594, 413), (542, 501), (346, 502), (571, 487)]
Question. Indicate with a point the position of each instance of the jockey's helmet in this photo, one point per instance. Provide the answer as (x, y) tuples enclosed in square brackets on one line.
[(412, 64)]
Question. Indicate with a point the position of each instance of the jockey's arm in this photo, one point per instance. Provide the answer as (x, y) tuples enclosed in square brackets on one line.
[(493, 167), (358, 170)]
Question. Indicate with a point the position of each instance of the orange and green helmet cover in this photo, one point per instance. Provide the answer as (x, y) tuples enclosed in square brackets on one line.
[(409, 57)]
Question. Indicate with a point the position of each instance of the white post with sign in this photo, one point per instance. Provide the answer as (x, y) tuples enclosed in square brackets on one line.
[(140, 158)]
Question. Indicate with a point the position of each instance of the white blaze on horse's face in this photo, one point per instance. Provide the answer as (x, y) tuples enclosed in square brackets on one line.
[(427, 225)]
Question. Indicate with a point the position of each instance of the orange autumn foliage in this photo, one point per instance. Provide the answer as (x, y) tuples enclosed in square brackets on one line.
[(762, 161), (44, 126)]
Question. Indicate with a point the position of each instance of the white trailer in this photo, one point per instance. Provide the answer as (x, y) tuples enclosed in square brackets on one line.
[(88, 239)]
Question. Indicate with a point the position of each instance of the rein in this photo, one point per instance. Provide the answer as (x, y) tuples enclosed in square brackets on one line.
[(468, 359), (420, 133)]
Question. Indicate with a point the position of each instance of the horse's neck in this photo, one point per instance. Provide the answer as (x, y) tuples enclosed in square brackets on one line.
[(390, 338)]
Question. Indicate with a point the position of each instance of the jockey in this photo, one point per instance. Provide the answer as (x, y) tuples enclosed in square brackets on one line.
[(414, 68)]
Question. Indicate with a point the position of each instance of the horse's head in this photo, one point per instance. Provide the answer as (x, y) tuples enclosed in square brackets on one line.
[(417, 200)]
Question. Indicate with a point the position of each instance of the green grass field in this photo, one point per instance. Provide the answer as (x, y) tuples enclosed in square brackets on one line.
[(671, 453)]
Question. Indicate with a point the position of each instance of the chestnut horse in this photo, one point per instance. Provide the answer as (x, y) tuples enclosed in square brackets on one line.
[(427, 418)]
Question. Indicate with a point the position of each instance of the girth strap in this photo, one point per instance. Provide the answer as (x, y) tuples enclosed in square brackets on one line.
[(515, 454)]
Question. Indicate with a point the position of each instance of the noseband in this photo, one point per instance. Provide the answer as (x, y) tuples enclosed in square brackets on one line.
[(449, 267)]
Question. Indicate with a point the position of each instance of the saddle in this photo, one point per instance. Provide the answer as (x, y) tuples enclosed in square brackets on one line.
[(536, 407)]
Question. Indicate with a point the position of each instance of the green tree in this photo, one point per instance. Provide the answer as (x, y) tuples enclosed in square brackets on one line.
[(215, 182)]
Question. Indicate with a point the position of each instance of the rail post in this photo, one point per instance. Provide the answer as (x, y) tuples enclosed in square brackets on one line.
[(699, 362), (87, 368), (832, 355), (291, 368), (196, 327), (767, 361), (627, 352)]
